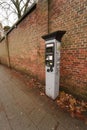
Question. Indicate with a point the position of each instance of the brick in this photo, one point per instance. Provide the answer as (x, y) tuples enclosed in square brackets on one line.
[(27, 48)]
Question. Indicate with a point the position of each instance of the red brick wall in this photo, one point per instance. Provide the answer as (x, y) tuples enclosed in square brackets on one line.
[(71, 15), (26, 44), (4, 53), (27, 47)]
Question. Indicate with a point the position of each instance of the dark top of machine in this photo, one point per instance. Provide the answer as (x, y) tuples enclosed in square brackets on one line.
[(55, 35)]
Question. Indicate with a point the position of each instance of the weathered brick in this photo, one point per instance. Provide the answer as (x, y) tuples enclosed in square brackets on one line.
[(27, 48)]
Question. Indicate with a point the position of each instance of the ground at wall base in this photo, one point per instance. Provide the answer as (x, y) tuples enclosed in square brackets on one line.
[(66, 102)]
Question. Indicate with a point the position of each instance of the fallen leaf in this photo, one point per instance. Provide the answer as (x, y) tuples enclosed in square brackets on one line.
[(78, 109), (72, 114), (72, 107), (75, 107), (72, 101), (42, 94), (83, 104)]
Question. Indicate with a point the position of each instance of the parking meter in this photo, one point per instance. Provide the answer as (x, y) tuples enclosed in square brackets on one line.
[(52, 62)]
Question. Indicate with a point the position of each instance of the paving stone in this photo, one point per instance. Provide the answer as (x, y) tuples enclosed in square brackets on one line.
[(23, 108), (4, 123), (37, 115), (48, 123)]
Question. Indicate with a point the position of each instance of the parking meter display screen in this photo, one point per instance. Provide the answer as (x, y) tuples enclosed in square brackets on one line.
[(49, 49), (49, 54)]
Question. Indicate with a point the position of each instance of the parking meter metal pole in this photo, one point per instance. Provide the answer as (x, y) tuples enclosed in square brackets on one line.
[(52, 62), (53, 74)]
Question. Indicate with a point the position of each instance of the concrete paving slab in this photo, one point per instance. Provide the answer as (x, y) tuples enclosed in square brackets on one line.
[(48, 123), (37, 116), (4, 123), (25, 109)]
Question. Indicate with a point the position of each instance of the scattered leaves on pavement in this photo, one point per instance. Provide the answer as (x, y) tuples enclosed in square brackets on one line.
[(65, 101), (76, 108)]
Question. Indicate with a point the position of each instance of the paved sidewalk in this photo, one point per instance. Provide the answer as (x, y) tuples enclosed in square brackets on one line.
[(23, 108)]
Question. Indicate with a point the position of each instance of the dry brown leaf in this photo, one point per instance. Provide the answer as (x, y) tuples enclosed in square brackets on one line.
[(42, 94), (72, 108), (72, 114), (58, 101), (78, 109), (72, 101), (83, 104), (75, 107)]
